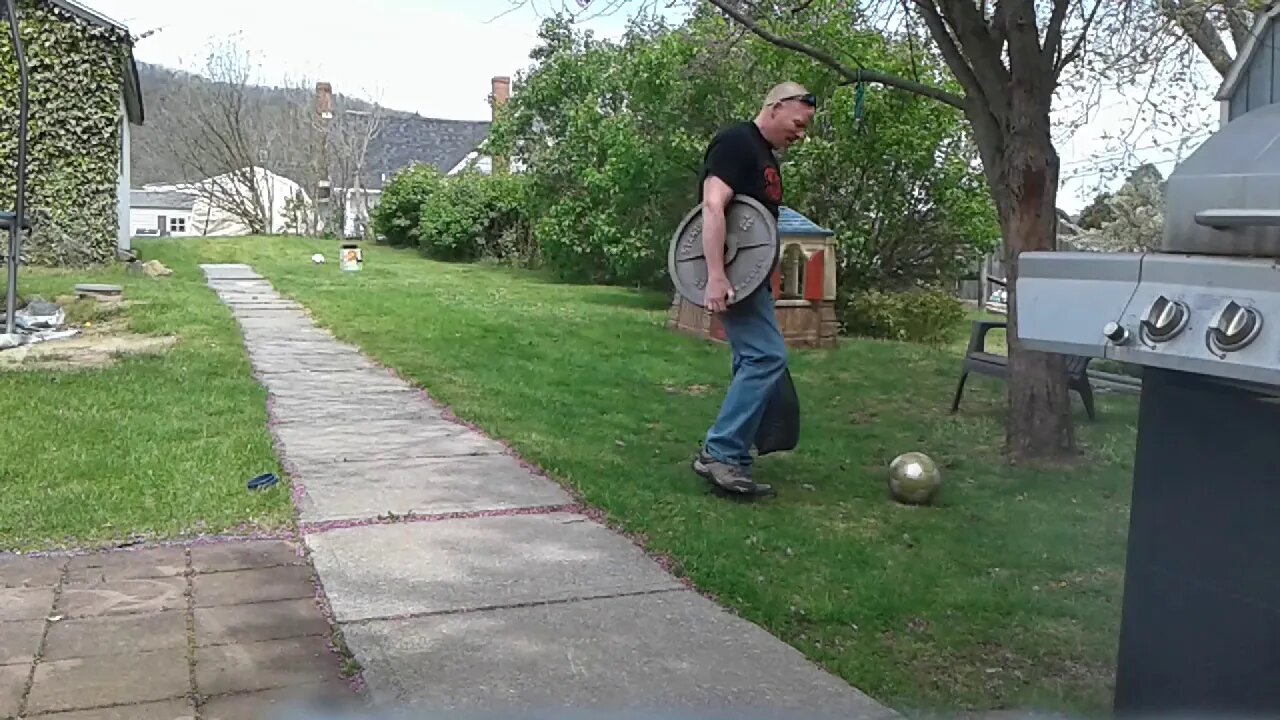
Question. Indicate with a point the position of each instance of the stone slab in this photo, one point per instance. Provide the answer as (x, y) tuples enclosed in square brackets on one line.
[(224, 669), (379, 571), (314, 363), (123, 597), (239, 587), (263, 311), (266, 292), (255, 316), (13, 682), (318, 346), (667, 653), (265, 621), (21, 571), (25, 603), (381, 406), (229, 272), (379, 439), (353, 382), (127, 565), (261, 284), (118, 634), (19, 641), (262, 290), (110, 680), (286, 306), (423, 486), (239, 297), (164, 710), (244, 555), (259, 331), (466, 444), (329, 701), (98, 289)]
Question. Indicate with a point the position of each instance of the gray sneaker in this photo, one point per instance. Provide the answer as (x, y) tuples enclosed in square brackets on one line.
[(729, 478)]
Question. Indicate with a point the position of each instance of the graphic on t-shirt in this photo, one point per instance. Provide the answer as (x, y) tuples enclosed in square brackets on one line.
[(772, 184)]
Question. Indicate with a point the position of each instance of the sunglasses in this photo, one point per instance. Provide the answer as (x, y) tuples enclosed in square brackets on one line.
[(808, 99)]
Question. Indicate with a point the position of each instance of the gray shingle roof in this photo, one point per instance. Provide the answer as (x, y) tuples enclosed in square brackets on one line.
[(406, 139), (791, 222), (161, 199)]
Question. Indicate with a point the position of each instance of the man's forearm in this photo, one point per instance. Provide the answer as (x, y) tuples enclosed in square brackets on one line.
[(713, 241)]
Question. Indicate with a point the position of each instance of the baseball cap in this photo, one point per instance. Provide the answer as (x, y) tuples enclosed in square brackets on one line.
[(789, 91)]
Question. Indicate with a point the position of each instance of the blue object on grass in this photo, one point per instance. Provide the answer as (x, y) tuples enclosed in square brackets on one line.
[(263, 481)]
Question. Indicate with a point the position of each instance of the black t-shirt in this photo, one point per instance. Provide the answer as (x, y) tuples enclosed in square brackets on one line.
[(741, 157)]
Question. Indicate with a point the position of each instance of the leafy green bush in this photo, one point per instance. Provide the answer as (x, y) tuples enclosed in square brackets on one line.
[(470, 217), (398, 214), (925, 316)]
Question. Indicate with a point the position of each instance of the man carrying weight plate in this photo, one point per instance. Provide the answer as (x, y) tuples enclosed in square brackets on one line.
[(741, 160)]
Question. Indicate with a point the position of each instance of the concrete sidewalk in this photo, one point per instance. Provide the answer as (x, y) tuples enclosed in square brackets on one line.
[(464, 582), (217, 631)]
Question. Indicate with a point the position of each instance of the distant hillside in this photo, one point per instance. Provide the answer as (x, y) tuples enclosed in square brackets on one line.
[(172, 96), (188, 134)]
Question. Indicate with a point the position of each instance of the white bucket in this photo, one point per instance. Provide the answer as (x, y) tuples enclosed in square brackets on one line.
[(350, 258)]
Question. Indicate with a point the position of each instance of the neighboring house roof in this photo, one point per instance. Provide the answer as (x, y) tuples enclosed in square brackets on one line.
[(132, 85), (406, 139), (161, 199), (791, 222), (1251, 46)]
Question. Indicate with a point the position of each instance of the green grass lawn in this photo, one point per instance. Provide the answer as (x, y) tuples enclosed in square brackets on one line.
[(154, 446), (1005, 594)]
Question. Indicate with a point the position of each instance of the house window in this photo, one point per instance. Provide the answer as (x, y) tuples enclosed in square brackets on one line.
[(177, 225)]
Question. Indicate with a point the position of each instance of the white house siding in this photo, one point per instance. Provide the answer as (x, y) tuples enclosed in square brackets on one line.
[(124, 221), (143, 221)]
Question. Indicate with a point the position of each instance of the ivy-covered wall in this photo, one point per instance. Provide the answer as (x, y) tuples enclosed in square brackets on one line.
[(73, 134)]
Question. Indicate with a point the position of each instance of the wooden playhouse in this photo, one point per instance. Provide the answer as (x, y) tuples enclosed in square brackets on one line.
[(804, 289)]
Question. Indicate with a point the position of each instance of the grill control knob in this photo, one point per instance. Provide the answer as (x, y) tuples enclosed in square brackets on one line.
[(1165, 319), (1116, 333), (1237, 326)]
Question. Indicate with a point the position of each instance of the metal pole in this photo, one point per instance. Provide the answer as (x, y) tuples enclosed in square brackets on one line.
[(19, 217)]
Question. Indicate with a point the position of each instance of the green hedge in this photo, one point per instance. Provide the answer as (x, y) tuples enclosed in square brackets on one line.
[(922, 316), (471, 217), (463, 218), (399, 210), (73, 151)]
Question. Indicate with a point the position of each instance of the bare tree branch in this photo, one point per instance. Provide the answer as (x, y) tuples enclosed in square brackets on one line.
[(1072, 55), (1193, 18), (1240, 22)]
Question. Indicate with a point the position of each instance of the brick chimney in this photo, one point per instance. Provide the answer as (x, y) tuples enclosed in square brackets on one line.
[(324, 100), (501, 91)]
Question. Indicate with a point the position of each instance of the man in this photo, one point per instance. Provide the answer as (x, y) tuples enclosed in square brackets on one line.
[(741, 160)]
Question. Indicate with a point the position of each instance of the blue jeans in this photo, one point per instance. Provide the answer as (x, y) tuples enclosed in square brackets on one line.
[(759, 360)]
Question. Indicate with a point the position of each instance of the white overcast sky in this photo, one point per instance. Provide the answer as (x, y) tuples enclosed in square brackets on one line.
[(436, 57)]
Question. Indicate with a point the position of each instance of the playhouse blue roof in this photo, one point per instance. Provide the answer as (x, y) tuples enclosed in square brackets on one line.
[(791, 222)]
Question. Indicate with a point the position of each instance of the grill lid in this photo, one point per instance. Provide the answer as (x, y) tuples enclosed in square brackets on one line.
[(1225, 198)]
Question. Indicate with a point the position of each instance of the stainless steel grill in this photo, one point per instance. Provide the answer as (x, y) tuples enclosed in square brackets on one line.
[(1201, 616)]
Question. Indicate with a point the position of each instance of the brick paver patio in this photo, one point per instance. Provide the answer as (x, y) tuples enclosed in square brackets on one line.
[(224, 631)]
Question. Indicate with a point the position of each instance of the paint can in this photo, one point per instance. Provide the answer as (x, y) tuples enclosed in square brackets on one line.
[(350, 258)]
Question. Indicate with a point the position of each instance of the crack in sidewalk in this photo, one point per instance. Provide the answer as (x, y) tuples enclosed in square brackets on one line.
[(514, 606), (316, 527)]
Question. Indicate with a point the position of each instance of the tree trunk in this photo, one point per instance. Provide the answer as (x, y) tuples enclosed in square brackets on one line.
[(1039, 424)]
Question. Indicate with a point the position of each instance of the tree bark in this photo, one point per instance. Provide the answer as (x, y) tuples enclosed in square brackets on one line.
[(1039, 424)]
